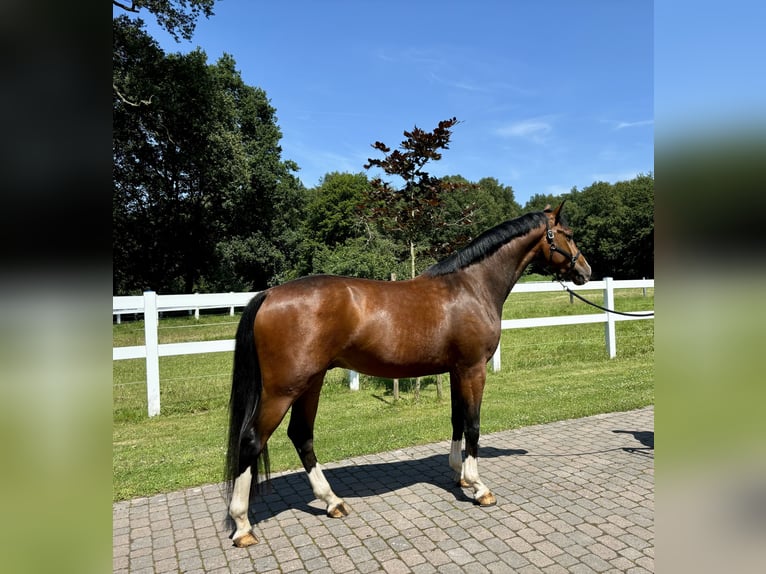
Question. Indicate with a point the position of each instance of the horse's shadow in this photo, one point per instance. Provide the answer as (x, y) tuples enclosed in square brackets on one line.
[(293, 492), (646, 438)]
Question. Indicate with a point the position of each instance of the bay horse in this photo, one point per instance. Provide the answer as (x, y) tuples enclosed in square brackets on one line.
[(445, 320)]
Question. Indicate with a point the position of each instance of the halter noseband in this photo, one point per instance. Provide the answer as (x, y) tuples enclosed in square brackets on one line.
[(549, 233)]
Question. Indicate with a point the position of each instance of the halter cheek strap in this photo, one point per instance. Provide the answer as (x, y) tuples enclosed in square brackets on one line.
[(549, 233)]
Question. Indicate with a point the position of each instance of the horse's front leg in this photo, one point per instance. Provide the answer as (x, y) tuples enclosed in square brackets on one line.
[(301, 433), (458, 428), (467, 390), (482, 494)]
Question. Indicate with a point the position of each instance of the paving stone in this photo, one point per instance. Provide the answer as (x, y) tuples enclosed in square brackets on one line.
[(576, 502)]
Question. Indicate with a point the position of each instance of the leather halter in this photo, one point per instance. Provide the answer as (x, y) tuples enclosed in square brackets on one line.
[(549, 234)]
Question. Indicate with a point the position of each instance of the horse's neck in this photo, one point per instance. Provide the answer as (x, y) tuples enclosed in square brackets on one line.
[(499, 272)]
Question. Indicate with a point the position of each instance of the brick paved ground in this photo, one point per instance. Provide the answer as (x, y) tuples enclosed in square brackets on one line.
[(573, 497)]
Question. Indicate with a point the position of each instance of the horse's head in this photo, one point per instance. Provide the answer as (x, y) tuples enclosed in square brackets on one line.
[(559, 250)]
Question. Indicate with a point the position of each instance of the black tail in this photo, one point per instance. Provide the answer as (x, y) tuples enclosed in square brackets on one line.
[(246, 386)]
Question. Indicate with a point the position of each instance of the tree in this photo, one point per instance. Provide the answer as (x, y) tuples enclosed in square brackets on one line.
[(177, 17), (478, 207), (335, 239), (202, 199), (332, 216), (371, 257), (416, 212), (258, 242), (411, 214), (614, 226), (538, 201)]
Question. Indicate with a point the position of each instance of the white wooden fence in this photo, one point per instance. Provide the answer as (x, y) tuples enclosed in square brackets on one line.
[(151, 305)]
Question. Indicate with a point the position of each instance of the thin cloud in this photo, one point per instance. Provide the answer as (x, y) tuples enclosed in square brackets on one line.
[(534, 129), (623, 125), (382, 55), (467, 86), (557, 189), (617, 176), (409, 56)]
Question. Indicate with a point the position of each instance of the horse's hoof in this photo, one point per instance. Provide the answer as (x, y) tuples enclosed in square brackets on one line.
[(462, 483), (487, 499), (245, 540), (339, 510)]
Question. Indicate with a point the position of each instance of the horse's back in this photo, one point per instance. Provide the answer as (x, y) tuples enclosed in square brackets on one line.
[(326, 321), (381, 328)]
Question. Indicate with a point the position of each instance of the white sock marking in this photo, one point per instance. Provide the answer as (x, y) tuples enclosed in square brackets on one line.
[(240, 502)]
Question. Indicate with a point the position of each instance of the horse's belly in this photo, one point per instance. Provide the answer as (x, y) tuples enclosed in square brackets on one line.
[(381, 367), (393, 359)]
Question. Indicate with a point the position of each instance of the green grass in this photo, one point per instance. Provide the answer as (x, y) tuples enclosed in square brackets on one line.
[(548, 374)]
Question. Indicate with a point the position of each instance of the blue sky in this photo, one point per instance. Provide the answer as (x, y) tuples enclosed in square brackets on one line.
[(707, 81), (550, 95)]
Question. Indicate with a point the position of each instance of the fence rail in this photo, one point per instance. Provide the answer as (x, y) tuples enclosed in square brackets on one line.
[(152, 305)]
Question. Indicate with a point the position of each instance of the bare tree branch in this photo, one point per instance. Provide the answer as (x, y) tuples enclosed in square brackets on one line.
[(132, 7), (128, 102)]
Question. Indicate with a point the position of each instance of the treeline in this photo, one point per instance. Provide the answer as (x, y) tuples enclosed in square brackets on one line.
[(203, 200)]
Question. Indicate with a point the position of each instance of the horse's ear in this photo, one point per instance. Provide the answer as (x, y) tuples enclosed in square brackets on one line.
[(557, 211), (547, 208)]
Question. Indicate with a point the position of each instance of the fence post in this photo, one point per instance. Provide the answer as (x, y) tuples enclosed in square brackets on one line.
[(152, 353), (496, 359), (353, 380), (611, 338), (231, 309)]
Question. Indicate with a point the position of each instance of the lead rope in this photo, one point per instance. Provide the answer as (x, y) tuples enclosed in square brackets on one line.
[(583, 299)]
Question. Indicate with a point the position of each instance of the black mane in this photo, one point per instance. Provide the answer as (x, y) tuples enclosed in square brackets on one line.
[(487, 243)]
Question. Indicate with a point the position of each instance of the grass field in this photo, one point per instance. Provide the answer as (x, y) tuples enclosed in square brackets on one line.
[(548, 374)]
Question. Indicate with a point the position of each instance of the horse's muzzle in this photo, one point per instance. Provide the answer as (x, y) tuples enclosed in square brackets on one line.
[(579, 279), (580, 274)]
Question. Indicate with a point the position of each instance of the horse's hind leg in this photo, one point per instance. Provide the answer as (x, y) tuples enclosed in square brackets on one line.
[(238, 509), (252, 446), (301, 433)]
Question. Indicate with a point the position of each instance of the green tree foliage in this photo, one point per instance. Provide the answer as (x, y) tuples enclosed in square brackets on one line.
[(372, 257), (614, 224), (539, 201), (412, 214), (177, 17), (478, 207), (335, 239), (202, 199), (339, 238), (332, 215), (496, 202)]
